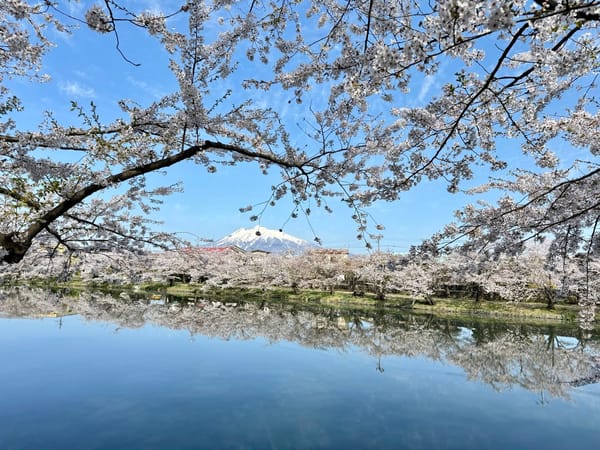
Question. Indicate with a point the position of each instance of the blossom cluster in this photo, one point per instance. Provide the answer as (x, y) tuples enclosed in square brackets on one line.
[(386, 95)]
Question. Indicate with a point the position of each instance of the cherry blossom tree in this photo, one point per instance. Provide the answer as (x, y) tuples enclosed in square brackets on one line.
[(509, 81), (374, 274)]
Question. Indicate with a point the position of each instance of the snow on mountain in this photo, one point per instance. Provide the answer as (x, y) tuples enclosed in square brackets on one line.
[(264, 239)]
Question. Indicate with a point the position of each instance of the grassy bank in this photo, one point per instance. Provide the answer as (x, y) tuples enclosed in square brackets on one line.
[(525, 311), (341, 299)]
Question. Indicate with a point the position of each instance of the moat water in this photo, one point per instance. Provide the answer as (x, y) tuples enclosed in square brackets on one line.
[(96, 372)]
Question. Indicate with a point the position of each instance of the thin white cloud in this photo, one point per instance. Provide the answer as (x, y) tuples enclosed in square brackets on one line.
[(81, 74), (431, 83), (425, 87), (156, 6), (76, 9), (74, 89), (150, 89)]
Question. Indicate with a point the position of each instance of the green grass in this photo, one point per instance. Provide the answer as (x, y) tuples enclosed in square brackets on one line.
[(445, 307), (341, 299), (523, 311)]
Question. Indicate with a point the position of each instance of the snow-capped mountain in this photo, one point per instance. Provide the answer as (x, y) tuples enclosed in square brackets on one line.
[(264, 239)]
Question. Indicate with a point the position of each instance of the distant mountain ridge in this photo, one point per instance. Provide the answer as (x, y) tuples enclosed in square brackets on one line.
[(263, 239)]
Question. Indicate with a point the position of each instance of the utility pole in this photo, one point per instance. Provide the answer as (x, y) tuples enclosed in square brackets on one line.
[(378, 238)]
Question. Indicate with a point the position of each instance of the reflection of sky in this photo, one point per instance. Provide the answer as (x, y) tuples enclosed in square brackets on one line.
[(464, 334), (88, 385)]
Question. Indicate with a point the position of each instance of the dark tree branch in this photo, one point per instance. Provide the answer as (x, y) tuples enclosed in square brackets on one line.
[(469, 103), (17, 244)]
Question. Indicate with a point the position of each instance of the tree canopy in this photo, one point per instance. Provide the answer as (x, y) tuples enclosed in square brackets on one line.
[(519, 99)]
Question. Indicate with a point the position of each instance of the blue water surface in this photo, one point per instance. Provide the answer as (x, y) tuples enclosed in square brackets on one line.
[(74, 384)]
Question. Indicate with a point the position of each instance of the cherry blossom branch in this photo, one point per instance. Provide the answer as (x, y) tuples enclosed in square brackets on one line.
[(16, 244), (458, 120)]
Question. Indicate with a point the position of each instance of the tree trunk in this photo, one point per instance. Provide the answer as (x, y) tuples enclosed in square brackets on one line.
[(550, 295), (15, 249), (477, 293)]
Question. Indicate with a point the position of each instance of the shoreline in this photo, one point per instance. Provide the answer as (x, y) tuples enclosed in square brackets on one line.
[(442, 307)]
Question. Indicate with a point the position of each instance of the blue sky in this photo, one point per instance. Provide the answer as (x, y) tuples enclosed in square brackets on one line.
[(86, 67)]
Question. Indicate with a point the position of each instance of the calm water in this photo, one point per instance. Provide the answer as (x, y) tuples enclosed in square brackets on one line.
[(145, 375)]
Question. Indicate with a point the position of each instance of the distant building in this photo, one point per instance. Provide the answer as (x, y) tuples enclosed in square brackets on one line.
[(330, 254), (203, 251)]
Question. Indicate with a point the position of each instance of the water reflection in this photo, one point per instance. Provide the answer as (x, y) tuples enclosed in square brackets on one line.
[(548, 359)]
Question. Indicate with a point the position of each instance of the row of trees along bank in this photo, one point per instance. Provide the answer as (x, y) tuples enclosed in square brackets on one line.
[(518, 278), (496, 99)]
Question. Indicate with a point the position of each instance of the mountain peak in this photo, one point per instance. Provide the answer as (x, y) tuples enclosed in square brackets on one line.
[(264, 239)]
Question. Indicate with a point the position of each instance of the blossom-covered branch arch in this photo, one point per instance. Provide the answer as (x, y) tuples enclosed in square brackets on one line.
[(507, 75)]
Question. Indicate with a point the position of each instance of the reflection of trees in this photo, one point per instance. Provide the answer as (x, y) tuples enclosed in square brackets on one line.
[(535, 358), (533, 361)]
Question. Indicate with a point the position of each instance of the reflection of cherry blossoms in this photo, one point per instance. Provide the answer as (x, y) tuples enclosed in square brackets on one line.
[(537, 359), (535, 362), (475, 96)]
